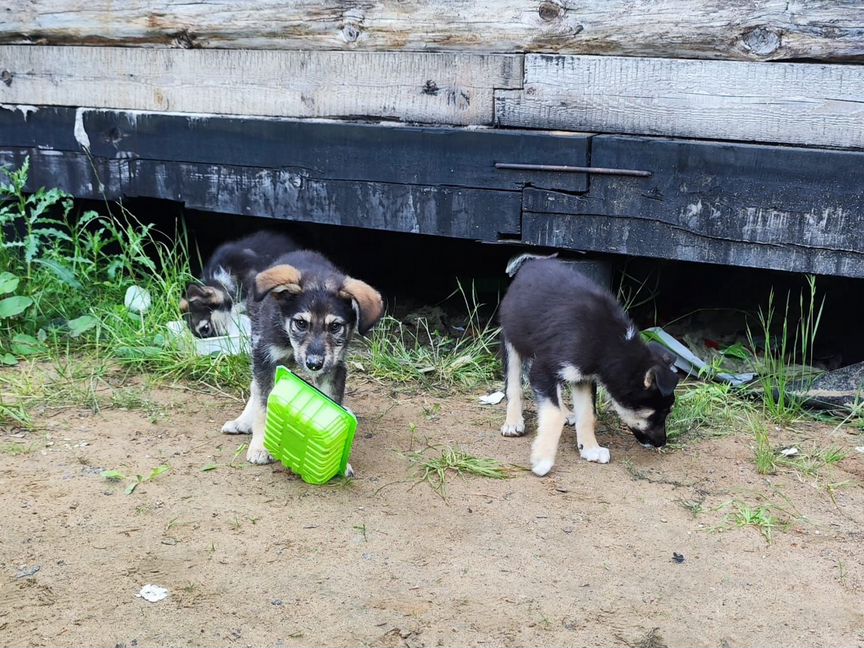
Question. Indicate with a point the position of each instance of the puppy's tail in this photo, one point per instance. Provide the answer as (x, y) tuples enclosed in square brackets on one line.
[(516, 262)]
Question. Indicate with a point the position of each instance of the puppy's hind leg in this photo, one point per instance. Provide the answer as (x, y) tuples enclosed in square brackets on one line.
[(514, 425), (584, 395), (243, 423)]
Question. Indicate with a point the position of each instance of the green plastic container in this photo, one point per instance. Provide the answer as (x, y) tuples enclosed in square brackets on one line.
[(306, 430)]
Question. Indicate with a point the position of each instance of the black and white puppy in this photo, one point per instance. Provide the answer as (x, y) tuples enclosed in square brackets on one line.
[(575, 333), (304, 313), (210, 305)]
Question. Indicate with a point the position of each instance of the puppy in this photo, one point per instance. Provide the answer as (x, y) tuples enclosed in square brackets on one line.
[(304, 313), (210, 306), (574, 333)]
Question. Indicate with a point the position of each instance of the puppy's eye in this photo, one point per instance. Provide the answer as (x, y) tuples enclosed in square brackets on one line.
[(300, 325), (335, 327)]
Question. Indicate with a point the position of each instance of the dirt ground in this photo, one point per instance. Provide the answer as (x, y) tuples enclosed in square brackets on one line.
[(253, 556)]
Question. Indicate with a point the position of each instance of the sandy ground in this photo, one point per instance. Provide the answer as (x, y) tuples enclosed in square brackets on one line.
[(253, 556)]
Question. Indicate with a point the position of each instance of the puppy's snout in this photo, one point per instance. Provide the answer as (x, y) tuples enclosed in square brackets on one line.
[(314, 362), (655, 437)]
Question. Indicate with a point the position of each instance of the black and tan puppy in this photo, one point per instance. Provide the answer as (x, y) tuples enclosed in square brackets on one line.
[(575, 333), (210, 305), (304, 313)]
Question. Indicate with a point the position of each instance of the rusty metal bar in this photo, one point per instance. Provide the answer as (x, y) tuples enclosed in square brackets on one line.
[(572, 169)]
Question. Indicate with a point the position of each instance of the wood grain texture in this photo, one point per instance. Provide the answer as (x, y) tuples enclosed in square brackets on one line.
[(414, 87), (327, 150), (285, 194), (827, 30), (784, 208), (793, 103)]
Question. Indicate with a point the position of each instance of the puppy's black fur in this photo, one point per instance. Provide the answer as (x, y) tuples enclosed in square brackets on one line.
[(575, 333), (226, 280), (304, 312)]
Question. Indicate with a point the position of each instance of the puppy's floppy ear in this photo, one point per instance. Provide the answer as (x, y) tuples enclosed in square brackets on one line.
[(368, 300), (280, 280), (204, 295), (663, 377), (662, 353)]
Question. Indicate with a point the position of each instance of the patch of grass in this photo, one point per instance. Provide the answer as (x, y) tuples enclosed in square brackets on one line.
[(758, 517), (73, 270), (361, 529), (456, 461), (694, 506), (706, 409), (421, 355), (766, 460), (810, 463), (137, 480), (785, 349), (15, 449)]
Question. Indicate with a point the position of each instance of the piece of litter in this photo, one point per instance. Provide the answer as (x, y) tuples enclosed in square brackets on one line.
[(493, 398), (789, 452), (137, 299), (859, 448), (678, 558), (687, 361), (152, 593), (27, 572)]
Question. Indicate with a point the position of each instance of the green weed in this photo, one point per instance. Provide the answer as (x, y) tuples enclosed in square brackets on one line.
[(454, 460), (784, 350), (766, 460), (758, 517), (15, 449), (810, 463), (137, 480), (419, 354), (706, 409)]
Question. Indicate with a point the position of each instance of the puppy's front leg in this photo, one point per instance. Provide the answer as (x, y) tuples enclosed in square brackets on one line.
[(243, 423), (583, 411), (333, 383), (256, 453)]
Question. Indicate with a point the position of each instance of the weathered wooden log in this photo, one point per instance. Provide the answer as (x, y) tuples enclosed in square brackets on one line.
[(790, 103), (446, 88), (822, 30)]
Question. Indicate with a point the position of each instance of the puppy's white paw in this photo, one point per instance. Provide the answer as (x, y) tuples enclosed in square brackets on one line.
[(236, 426), (513, 429), (598, 454), (349, 472), (572, 419), (541, 467), (258, 455)]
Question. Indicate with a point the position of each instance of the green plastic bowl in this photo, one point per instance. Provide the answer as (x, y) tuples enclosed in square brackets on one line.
[(306, 430)]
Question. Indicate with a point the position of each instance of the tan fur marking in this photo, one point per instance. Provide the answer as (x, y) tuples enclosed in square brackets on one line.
[(368, 300), (184, 306), (279, 278), (649, 378), (205, 294)]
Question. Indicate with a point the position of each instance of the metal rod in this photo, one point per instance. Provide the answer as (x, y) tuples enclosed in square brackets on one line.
[(572, 169)]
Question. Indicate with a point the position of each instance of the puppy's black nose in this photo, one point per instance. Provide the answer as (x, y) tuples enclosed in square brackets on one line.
[(314, 363)]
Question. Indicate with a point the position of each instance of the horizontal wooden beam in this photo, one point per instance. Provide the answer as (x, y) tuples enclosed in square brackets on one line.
[(324, 150), (823, 30), (412, 87), (789, 103), (286, 194), (736, 204)]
